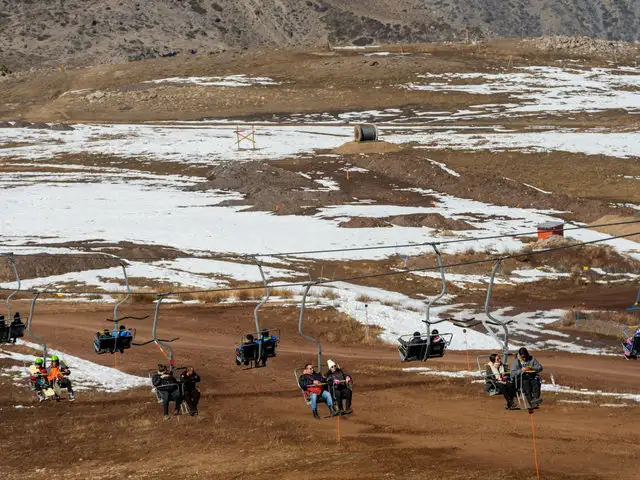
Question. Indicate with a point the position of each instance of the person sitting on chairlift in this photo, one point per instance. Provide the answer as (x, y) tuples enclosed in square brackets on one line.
[(268, 343), (495, 371), (168, 389), (189, 378), (123, 332), (526, 368), (315, 385), (628, 344), (38, 378), (59, 374), (15, 323), (340, 385), (249, 342)]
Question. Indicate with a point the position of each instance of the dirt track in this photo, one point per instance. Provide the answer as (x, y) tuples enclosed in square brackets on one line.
[(255, 423)]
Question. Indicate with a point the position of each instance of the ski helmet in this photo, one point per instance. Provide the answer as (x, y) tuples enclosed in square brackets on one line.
[(38, 361), (54, 358)]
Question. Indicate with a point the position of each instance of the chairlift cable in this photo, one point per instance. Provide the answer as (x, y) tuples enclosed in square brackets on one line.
[(344, 279), (249, 256)]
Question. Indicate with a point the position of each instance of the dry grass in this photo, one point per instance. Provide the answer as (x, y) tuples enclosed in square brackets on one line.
[(339, 328), (364, 298), (609, 323), (282, 292), (573, 260), (330, 294)]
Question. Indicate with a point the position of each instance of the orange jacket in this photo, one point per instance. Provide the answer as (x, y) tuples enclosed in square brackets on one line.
[(55, 373)]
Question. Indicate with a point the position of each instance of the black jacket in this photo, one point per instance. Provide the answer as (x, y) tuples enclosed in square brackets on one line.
[(189, 381), (339, 374), (307, 380), (164, 382)]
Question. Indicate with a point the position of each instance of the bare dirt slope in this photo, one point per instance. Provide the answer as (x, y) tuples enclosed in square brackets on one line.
[(81, 32), (254, 422)]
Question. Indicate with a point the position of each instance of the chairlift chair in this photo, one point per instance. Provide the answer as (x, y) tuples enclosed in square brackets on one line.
[(421, 347), (116, 340), (631, 345), (12, 328), (254, 353)]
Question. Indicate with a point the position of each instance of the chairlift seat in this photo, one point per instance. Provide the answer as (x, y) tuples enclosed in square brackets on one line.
[(4, 334), (414, 349), (104, 344), (123, 343), (269, 346), (16, 330), (247, 354), (631, 350)]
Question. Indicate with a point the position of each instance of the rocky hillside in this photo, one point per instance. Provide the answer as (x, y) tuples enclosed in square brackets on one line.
[(35, 32)]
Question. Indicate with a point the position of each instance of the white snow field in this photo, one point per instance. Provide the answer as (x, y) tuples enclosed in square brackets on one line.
[(85, 375)]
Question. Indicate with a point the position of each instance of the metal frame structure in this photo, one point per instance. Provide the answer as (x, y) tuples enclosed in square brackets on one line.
[(116, 320), (301, 321), (6, 336), (636, 305), (36, 294), (154, 337)]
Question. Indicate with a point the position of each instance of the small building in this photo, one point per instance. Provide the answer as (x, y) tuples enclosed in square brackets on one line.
[(546, 229)]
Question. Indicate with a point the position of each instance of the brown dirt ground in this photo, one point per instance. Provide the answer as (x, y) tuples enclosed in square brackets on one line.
[(404, 424), (314, 81), (618, 229)]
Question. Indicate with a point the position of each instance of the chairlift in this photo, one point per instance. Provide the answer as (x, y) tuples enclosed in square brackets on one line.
[(117, 340), (631, 344), (420, 347), (636, 305), (523, 402), (255, 348), (12, 328), (158, 341)]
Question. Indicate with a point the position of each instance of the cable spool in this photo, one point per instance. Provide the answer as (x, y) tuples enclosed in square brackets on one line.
[(365, 133)]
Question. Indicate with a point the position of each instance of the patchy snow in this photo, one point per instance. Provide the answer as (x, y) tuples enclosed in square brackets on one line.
[(545, 387), (442, 373), (622, 145), (537, 189), (444, 167), (176, 143), (545, 89), (241, 80), (85, 375), (328, 184)]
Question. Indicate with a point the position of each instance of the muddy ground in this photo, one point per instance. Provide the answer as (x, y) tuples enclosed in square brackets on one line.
[(254, 422)]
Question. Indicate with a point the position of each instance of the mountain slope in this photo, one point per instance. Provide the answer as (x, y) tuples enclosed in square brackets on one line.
[(89, 31)]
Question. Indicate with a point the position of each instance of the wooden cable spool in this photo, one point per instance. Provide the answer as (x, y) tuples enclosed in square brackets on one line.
[(365, 133)]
